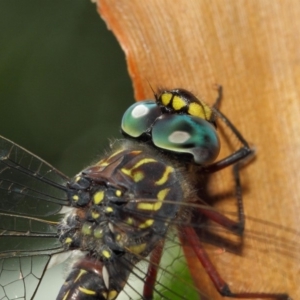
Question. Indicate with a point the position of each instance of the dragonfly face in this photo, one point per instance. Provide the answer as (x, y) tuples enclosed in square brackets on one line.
[(126, 210)]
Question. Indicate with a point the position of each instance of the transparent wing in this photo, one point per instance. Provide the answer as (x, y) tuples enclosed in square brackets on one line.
[(32, 195)]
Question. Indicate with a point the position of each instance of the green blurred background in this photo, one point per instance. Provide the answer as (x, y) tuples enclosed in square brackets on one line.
[(63, 80), (63, 86)]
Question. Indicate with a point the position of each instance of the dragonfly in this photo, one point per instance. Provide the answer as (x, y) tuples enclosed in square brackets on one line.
[(136, 221)]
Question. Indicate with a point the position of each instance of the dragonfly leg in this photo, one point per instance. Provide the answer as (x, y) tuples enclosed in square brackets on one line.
[(153, 267), (221, 285), (244, 152), (236, 227)]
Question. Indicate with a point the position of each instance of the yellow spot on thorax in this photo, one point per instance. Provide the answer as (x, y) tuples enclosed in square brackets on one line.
[(118, 193), (86, 291), (114, 154), (137, 249), (112, 295), (106, 254), (98, 232), (129, 221), (165, 176), (146, 224), (95, 215), (105, 162), (75, 198), (149, 206), (143, 162), (109, 209), (86, 228), (66, 295), (156, 205), (81, 272), (162, 194), (133, 173), (68, 240), (136, 152), (98, 197), (102, 163), (138, 176)]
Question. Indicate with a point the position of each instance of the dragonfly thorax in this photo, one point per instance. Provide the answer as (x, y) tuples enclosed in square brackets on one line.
[(123, 206)]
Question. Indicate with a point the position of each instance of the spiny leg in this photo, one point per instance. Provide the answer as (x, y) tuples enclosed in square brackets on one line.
[(221, 285), (219, 218), (236, 159), (219, 98), (236, 227), (244, 152)]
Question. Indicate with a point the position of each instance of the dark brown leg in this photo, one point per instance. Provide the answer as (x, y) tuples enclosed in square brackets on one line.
[(153, 267), (215, 277)]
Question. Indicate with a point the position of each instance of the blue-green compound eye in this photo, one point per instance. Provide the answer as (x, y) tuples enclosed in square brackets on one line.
[(187, 134), (139, 117)]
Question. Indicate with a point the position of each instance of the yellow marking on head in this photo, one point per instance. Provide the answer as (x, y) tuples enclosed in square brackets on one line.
[(178, 103), (208, 112), (106, 254), (95, 215), (68, 240), (75, 198), (81, 272), (109, 209), (195, 109), (165, 176), (112, 295), (137, 249), (166, 98), (118, 193), (201, 111), (131, 172), (98, 197), (77, 178), (162, 194), (146, 224), (86, 291)]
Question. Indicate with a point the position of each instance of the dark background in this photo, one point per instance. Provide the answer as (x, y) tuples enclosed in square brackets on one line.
[(63, 87), (63, 80)]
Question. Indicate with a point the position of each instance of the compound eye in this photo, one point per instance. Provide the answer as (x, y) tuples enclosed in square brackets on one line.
[(139, 117), (187, 135)]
